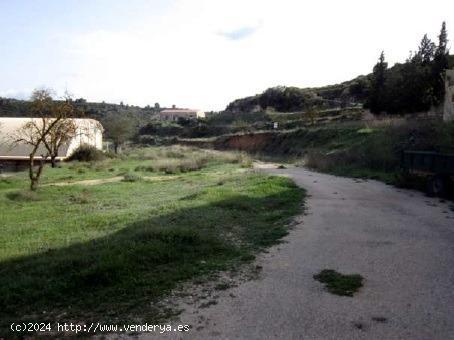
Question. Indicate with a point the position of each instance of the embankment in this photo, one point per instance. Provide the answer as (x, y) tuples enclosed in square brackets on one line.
[(366, 151)]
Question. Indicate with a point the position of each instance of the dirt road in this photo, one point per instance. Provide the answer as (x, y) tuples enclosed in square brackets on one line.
[(400, 241)]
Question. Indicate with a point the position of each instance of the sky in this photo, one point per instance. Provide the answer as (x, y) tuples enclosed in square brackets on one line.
[(202, 53)]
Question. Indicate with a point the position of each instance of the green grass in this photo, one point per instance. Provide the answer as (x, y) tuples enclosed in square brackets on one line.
[(110, 251), (340, 284), (151, 161)]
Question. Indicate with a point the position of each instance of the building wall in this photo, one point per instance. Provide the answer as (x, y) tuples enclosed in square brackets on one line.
[(173, 116), (89, 131), (448, 108)]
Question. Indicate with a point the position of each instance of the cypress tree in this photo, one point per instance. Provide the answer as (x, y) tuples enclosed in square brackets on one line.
[(376, 102), (439, 65), (425, 52)]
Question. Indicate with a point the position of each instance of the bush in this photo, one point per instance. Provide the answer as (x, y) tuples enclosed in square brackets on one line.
[(86, 153), (147, 140), (82, 197), (245, 160), (144, 168), (162, 129), (131, 177)]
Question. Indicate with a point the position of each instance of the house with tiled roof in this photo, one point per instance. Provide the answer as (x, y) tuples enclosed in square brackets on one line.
[(174, 114)]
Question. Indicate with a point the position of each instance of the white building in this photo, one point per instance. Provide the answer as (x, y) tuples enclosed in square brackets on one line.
[(88, 131), (174, 114)]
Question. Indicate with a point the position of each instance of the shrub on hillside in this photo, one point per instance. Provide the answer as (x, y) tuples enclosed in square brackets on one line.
[(86, 153)]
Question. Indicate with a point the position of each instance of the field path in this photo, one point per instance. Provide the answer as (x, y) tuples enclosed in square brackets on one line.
[(400, 241)]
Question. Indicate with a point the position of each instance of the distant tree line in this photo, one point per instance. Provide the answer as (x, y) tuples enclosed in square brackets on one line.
[(414, 86), (10, 107), (120, 122)]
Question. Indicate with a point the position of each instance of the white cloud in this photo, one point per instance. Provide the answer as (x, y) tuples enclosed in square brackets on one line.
[(239, 33)]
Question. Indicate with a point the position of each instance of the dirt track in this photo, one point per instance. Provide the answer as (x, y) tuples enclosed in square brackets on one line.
[(401, 242)]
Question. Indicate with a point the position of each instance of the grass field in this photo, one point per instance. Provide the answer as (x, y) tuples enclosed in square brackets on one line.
[(108, 251)]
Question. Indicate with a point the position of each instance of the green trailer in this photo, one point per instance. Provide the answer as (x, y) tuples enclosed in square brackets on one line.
[(437, 167)]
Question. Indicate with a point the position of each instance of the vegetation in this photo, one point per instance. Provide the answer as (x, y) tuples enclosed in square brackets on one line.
[(414, 86), (132, 177), (375, 152), (111, 250), (224, 123), (86, 153), (340, 284), (291, 99), (355, 149), (119, 129), (377, 87), (176, 159), (99, 111)]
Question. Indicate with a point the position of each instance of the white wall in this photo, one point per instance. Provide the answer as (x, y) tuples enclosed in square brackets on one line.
[(89, 131)]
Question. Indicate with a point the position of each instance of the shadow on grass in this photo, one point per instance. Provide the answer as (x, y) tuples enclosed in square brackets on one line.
[(117, 276)]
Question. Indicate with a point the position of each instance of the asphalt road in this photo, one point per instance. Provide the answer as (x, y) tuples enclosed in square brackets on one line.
[(401, 241)]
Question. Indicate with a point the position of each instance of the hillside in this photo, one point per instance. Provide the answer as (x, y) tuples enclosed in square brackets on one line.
[(290, 99)]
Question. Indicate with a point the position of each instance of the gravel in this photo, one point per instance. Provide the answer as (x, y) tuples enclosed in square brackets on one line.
[(400, 241)]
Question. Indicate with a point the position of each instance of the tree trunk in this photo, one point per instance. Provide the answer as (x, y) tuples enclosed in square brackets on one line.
[(33, 184), (116, 148), (53, 161), (34, 177), (31, 164)]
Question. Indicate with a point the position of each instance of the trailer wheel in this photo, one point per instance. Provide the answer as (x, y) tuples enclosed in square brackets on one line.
[(435, 186)]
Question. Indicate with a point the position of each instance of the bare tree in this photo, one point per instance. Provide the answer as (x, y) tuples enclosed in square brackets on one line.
[(64, 130), (58, 136), (50, 128), (33, 133)]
